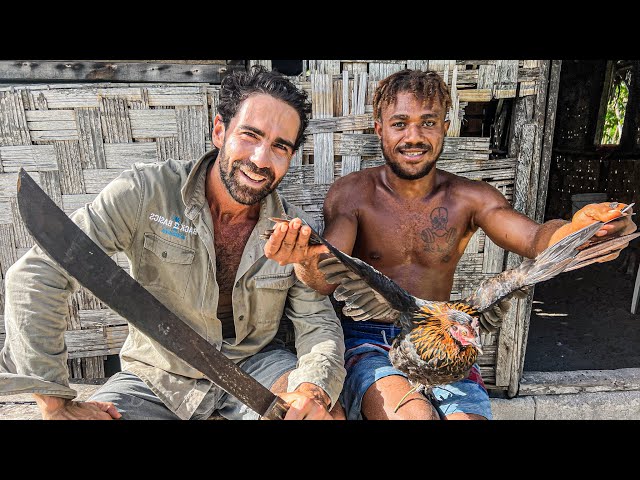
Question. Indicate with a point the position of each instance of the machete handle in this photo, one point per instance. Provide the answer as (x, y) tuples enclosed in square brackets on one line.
[(277, 410)]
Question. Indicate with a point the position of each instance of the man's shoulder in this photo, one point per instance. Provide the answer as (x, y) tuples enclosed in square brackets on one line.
[(356, 183), (460, 184), (169, 169)]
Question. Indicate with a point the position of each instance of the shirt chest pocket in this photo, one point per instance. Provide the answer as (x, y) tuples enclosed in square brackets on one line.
[(165, 265), (271, 295)]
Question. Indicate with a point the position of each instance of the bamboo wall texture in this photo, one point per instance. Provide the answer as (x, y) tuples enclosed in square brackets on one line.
[(75, 138)]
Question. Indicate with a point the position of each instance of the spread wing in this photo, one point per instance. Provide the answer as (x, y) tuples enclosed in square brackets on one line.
[(367, 292), (361, 301), (563, 256)]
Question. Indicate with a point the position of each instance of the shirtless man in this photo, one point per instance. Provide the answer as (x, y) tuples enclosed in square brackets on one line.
[(412, 222)]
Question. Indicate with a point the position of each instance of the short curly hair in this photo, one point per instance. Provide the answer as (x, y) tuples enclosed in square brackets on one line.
[(236, 87), (424, 85)]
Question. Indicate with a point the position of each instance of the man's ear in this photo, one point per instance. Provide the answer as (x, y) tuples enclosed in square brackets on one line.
[(217, 136), (446, 126), (378, 128)]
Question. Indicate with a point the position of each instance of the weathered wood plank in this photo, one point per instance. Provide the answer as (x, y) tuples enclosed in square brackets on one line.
[(322, 107), (30, 157), (51, 185), (153, 123), (7, 248), (506, 79), (22, 236), (120, 156), (70, 203), (116, 125), (9, 182), (13, 123), (90, 135), (493, 259), (96, 179), (46, 125), (70, 167), (579, 381), (167, 148), (380, 70), (475, 95), (329, 67), (72, 70), (547, 142), (6, 215), (338, 124), (192, 127), (353, 103), (96, 341)]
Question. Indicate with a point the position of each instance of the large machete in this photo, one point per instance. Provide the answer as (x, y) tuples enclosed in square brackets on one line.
[(83, 259)]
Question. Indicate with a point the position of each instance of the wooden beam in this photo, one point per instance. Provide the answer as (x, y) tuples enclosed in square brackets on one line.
[(578, 381), (547, 142), (29, 71)]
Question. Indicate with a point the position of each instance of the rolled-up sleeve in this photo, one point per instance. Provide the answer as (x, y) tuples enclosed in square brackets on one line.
[(33, 359), (319, 341)]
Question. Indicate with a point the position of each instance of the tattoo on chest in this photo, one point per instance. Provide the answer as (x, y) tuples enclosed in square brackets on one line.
[(439, 237)]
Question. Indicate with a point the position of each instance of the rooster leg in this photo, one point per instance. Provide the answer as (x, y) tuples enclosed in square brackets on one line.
[(413, 389), (427, 393)]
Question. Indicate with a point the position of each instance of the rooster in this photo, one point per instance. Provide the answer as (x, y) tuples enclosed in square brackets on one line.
[(440, 341)]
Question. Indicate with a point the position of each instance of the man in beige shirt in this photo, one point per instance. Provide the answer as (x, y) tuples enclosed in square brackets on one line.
[(191, 232)]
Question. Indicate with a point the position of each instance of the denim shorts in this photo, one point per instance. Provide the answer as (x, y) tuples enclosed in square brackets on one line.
[(135, 400), (373, 339)]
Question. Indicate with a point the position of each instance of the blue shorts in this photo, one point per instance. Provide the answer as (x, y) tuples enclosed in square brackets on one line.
[(374, 340)]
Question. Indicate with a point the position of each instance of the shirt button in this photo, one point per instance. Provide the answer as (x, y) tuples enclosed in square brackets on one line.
[(237, 284), (164, 254), (241, 317)]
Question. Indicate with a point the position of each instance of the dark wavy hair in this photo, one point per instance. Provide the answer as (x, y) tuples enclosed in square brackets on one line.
[(425, 85), (236, 87)]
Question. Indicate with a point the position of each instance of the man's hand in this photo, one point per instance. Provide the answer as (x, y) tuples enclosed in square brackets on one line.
[(289, 243), (307, 402), (604, 212), (600, 212), (56, 408)]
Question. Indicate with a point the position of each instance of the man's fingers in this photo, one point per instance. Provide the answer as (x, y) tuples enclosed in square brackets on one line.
[(292, 235), (109, 408), (274, 243)]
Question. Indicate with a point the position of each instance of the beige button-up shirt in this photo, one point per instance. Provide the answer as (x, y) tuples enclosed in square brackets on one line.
[(158, 216)]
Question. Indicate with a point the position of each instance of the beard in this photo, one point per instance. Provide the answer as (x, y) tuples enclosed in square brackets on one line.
[(399, 170), (245, 194)]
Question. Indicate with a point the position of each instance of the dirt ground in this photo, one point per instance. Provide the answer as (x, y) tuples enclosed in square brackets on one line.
[(582, 320)]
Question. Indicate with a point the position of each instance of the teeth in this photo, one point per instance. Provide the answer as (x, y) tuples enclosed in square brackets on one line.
[(252, 176), (412, 154)]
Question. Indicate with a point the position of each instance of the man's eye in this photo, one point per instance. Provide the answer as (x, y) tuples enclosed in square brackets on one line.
[(398, 124)]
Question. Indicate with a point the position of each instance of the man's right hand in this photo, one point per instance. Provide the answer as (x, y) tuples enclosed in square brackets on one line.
[(56, 408), (289, 243)]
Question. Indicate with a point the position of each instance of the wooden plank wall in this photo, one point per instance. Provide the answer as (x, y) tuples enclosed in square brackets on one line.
[(341, 140), (75, 138)]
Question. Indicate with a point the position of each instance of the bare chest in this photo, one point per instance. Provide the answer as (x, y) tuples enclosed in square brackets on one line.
[(229, 242), (431, 234)]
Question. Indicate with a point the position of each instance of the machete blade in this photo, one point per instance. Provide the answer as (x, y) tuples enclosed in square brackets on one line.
[(84, 260)]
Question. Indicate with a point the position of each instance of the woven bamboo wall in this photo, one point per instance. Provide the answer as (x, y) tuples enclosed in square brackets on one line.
[(75, 138)]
